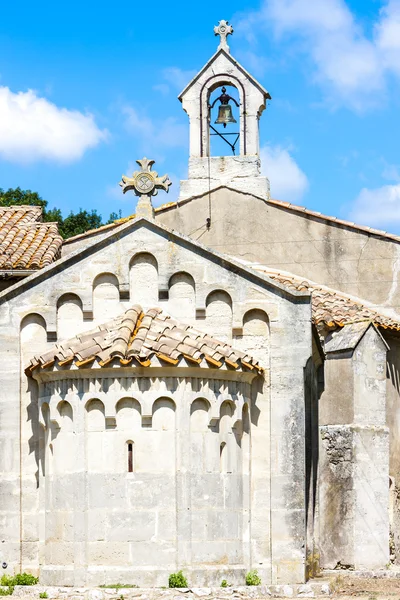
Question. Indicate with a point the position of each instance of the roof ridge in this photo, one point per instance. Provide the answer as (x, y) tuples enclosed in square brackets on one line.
[(138, 336), (322, 308)]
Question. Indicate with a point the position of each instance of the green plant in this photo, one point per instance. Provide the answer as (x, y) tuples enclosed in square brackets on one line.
[(224, 583), (177, 580), (8, 591), (19, 579), (252, 578), (43, 595)]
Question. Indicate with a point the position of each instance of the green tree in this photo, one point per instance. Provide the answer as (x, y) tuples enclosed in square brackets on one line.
[(73, 224)]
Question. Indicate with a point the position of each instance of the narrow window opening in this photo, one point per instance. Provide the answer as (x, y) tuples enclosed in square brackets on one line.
[(130, 457), (223, 458)]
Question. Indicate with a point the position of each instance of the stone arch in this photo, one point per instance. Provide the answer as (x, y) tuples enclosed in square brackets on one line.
[(219, 315), (106, 304), (66, 413), (33, 335), (143, 279), (69, 316), (95, 415), (226, 413), (256, 334), (182, 296), (128, 414), (164, 414), (199, 414), (96, 439)]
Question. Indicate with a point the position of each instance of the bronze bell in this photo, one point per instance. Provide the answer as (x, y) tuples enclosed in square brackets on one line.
[(225, 109), (225, 115)]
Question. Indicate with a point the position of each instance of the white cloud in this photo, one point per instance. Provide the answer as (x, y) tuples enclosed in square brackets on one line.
[(351, 68), (32, 129), (388, 35), (378, 207), (167, 133), (288, 181)]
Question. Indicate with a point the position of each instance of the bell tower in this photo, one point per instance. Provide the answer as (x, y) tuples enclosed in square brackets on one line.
[(235, 128)]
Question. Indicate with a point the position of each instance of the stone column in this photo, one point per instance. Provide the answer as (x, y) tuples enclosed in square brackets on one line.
[(354, 451)]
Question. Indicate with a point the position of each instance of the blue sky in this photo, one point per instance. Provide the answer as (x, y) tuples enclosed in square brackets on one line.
[(86, 88)]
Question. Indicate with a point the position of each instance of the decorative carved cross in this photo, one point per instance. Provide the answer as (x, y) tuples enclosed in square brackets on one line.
[(145, 183), (223, 29)]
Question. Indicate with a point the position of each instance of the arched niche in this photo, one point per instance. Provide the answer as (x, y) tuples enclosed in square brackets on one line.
[(256, 334), (182, 297), (69, 316), (219, 315), (199, 418), (106, 304), (163, 415), (96, 437), (66, 416), (143, 275), (225, 417), (95, 415), (128, 415), (33, 336)]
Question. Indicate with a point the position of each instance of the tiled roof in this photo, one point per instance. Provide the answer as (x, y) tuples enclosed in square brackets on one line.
[(331, 308), (26, 242), (134, 338)]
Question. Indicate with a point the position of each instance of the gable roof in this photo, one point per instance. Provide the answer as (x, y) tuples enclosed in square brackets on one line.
[(331, 308), (349, 337), (235, 63), (223, 260), (134, 338), (25, 242), (294, 208)]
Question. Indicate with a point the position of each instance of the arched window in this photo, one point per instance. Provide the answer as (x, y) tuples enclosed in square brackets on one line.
[(223, 458), (130, 457)]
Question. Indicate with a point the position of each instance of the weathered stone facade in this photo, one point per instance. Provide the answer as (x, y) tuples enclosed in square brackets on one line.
[(126, 467)]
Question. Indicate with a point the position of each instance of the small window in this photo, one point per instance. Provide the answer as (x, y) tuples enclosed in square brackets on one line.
[(130, 457), (223, 458)]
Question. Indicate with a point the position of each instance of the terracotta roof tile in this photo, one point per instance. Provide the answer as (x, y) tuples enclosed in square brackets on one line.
[(139, 336), (26, 242), (331, 308)]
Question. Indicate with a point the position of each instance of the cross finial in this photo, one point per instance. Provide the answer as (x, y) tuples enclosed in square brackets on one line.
[(223, 29), (145, 183)]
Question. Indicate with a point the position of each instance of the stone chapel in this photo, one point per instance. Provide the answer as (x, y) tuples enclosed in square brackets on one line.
[(211, 385)]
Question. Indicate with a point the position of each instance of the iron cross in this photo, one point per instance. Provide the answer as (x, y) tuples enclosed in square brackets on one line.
[(223, 29)]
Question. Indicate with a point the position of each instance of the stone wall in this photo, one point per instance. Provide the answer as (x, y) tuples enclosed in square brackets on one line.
[(74, 296)]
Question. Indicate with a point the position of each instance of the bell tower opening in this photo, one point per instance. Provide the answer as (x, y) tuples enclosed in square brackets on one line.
[(224, 121)]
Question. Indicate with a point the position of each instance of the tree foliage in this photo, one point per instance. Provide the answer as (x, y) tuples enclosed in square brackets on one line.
[(73, 224)]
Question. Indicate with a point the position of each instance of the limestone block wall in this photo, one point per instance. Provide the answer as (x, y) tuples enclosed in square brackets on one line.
[(148, 265), (354, 460), (141, 476)]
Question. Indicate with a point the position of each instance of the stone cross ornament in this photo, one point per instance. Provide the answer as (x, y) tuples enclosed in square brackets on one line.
[(223, 29), (145, 183)]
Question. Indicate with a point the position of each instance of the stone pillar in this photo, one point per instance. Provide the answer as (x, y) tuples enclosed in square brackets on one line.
[(354, 451)]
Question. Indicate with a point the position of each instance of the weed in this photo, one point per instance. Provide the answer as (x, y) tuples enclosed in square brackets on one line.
[(224, 583), (19, 579), (252, 578), (177, 580), (7, 591), (43, 595)]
